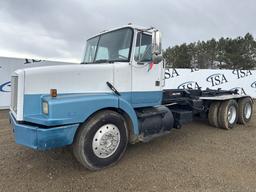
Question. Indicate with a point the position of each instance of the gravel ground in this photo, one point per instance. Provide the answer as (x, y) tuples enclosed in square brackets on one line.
[(195, 158)]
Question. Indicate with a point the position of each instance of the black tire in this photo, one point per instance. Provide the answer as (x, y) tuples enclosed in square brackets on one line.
[(243, 117), (83, 148), (223, 117), (213, 114)]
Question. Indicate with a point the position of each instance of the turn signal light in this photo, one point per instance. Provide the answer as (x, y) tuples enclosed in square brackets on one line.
[(53, 92), (45, 107)]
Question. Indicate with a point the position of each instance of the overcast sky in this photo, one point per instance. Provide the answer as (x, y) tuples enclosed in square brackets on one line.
[(58, 29)]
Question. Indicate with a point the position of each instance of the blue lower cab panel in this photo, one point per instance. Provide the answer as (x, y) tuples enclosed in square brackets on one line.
[(43, 138)]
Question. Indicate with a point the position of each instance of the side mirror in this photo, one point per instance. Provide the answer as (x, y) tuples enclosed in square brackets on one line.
[(156, 43), (156, 47)]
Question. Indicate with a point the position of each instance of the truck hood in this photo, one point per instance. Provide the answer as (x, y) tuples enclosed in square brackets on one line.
[(89, 78), (30, 84)]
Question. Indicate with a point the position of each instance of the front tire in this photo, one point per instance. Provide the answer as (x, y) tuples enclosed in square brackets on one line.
[(245, 110), (101, 141)]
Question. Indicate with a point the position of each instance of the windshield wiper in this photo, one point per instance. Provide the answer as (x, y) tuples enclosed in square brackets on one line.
[(103, 61)]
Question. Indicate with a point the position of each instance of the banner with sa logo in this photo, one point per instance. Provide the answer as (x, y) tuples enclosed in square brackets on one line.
[(242, 80)]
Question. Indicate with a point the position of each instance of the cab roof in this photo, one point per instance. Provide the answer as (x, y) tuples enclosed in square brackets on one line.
[(134, 27)]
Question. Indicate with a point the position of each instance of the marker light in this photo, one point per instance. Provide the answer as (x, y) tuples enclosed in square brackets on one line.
[(45, 107), (53, 92)]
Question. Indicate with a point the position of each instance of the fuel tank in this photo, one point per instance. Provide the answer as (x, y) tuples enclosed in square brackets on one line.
[(155, 120)]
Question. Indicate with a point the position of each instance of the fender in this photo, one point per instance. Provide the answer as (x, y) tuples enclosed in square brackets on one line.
[(68, 108), (75, 108), (127, 107)]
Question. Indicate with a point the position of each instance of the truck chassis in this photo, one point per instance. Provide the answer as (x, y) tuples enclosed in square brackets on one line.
[(223, 109), (211, 104)]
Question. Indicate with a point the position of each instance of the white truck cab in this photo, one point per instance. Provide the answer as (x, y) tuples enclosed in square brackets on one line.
[(113, 97)]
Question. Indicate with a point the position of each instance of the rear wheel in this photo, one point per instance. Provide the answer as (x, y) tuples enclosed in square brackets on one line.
[(228, 114), (101, 141), (213, 114), (245, 110)]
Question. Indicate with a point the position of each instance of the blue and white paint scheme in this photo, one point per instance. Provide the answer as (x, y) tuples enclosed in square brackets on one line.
[(82, 91)]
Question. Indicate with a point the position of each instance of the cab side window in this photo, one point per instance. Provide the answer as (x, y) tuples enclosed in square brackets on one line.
[(143, 48)]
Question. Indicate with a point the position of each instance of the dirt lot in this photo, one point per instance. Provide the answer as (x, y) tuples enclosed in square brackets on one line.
[(195, 158)]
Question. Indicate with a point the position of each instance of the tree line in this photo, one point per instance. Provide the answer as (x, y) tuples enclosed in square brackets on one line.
[(225, 53)]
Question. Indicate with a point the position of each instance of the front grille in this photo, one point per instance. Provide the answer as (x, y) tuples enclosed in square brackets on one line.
[(14, 93)]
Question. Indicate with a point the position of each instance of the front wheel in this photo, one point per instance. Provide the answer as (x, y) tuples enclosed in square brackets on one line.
[(101, 141)]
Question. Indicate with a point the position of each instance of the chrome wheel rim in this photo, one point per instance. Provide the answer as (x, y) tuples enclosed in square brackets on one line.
[(247, 110), (106, 141), (232, 114)]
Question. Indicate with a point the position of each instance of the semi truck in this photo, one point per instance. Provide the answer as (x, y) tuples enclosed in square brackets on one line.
[(114, 97)]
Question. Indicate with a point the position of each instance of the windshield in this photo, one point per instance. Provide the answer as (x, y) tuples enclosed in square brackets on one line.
[(109, 47)]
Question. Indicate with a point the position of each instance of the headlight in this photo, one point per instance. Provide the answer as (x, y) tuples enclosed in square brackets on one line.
[(45, 107)]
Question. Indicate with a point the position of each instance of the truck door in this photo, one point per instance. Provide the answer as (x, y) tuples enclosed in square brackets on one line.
[(146, 76), (120, 51)]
